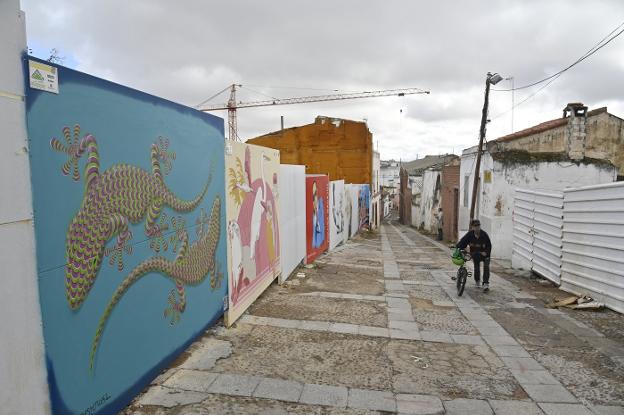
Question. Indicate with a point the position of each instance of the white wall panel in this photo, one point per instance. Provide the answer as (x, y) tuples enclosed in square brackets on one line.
[(292, 218)]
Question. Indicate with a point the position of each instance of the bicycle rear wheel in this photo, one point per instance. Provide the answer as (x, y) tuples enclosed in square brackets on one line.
[(462, 276)]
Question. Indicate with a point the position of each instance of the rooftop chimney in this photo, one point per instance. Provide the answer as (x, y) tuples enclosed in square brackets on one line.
[(576, 131)]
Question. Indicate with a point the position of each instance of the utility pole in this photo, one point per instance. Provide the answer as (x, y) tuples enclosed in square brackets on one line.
[(490, 79)]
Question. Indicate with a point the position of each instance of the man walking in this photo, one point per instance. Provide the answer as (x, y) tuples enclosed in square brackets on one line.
[(440, 220), (480, 249)]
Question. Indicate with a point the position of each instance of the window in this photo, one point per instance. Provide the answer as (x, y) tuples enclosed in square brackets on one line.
[(466, 185)]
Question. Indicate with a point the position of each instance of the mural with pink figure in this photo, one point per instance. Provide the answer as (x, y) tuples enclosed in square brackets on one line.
[(252, 224)]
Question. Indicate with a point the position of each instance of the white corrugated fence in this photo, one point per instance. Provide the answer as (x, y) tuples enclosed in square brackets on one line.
[(593, 243)]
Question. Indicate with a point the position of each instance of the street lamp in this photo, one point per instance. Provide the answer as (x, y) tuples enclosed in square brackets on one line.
[(490, 79)]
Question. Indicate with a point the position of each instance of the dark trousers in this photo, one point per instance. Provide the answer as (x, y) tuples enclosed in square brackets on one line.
[(477, 260), (440, 237)]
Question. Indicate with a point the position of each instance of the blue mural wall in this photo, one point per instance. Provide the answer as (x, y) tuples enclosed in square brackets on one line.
[(129, 215)]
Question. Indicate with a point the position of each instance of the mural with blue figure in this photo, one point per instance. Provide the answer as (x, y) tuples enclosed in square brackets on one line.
[(318, 218), (364, 206), (128, 193)]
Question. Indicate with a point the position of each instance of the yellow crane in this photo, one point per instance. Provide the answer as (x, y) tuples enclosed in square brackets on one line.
[(231, 106)]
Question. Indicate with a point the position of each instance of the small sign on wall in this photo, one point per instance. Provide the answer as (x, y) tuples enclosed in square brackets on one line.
[(487, 176), (43, 77)]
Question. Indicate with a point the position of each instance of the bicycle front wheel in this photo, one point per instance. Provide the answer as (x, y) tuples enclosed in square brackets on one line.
[(462, 276)]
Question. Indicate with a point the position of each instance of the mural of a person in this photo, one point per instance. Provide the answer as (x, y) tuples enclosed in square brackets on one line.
[(318, 218)]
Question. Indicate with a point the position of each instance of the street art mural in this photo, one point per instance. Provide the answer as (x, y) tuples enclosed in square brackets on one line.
[(353, 196), (336, 213), (292, 202), (364, 207), (129, 223), (252, 223), (317, 215)]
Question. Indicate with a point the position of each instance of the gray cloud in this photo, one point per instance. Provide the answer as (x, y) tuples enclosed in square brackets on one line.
[(186, 51)]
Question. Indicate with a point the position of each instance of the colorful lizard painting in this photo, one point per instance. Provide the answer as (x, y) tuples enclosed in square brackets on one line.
[(191, 266), (125, 194), (112, 199)]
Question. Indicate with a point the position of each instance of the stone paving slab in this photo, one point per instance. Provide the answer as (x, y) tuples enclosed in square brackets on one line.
[(324, 395), (515, 408), (372, 400), (237, 385), (564, 409), (168, 398), (404, 334), (344, 328), (315, 325), (403, 315), (373, 331), (467, 407), (522, 363), (510, 351), (608, 410), (492, 331), (278, 389), (500, 340), (534, 377), (403, 325), (419, 404), (467, 339), (549, 393), (191, 380), (436, 336)]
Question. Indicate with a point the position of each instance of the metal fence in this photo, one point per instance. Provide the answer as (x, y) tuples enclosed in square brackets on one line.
[(537, 232), (593, 243)]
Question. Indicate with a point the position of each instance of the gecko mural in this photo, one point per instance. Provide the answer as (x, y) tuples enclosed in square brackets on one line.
[(252, 224), (130, 263), (123, 194)]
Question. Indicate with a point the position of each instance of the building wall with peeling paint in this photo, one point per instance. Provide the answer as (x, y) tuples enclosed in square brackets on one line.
[(430, 201), (604, 139)]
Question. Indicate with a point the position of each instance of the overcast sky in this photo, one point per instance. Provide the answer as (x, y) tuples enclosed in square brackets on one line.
[(188, 50)]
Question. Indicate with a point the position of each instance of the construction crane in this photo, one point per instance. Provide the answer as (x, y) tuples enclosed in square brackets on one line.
[(232, 105)]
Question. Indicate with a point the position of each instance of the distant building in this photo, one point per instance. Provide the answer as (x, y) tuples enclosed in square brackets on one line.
[(390, 173), (581, 148), (426, 179)]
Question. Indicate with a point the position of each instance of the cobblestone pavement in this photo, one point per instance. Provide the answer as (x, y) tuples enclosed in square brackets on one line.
[(377, 327)]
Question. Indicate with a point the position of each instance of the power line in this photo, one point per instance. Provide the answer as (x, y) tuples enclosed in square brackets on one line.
[(602, 43), (556, 76)]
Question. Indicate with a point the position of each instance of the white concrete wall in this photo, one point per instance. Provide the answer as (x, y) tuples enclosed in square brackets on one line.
[(495, 199), (376, 173), (23, 387)]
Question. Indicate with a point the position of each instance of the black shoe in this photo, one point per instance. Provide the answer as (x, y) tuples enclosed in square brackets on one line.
[(486, 288)]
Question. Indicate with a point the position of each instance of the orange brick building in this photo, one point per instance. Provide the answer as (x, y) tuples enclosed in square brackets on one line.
[(342, 149)]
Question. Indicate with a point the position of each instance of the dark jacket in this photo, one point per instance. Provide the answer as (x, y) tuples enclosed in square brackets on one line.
[(477, 245)]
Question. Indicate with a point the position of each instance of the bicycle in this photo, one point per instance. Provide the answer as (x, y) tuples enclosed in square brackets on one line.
[(460, 258)]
